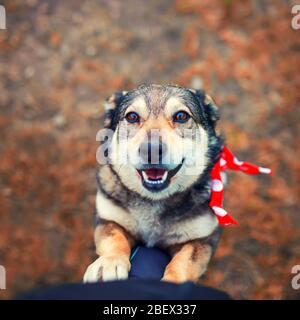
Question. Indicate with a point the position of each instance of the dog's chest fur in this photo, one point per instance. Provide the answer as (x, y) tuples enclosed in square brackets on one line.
[(156, 224), (149, 225)]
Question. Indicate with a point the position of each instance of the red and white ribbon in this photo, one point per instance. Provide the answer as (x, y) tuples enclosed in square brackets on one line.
[(228, 161)]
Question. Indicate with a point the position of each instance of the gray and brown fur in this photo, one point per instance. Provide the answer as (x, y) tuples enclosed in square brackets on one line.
[(179, 220)]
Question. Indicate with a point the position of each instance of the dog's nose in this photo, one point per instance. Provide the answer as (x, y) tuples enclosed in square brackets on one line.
[(152, 153)]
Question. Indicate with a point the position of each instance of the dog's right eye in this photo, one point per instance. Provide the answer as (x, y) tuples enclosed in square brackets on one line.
[(132, 117), (181, 117)]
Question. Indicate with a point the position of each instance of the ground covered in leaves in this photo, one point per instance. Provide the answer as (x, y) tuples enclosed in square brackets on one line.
[(60, 59)]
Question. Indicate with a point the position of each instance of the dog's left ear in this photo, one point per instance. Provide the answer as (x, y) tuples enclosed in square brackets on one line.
[(210, 108), (111, 105)]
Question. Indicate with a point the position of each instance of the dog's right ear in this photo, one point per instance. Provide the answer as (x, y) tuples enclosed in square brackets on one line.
[(111, 104)]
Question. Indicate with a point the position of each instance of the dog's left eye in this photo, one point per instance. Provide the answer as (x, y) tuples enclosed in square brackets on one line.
[(132, 117), (181, 117)]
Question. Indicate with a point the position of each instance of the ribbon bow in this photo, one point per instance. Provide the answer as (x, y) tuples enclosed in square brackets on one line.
[(228, 161)]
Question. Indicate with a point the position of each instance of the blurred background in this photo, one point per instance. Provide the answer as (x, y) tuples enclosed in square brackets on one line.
[(60, 60)]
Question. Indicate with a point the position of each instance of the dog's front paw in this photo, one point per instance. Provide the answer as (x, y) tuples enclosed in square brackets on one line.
[(173, 277), (179, 276), (107, 268)]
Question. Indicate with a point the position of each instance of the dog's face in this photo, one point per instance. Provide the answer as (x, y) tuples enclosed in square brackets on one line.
[(163, 138)]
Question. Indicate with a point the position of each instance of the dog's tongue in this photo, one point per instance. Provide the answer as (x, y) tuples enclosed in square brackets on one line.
[(155, 174)]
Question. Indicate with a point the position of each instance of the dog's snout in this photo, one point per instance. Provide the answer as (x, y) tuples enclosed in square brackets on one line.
[(152, 152)]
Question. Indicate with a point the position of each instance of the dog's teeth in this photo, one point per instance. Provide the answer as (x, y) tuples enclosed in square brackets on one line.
[(144, 175), (162, 180), (164, 177)]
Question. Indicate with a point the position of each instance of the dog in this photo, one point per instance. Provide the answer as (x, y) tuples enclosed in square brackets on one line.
[(160, 195)]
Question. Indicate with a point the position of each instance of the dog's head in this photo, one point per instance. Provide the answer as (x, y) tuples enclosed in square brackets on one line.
[(163, 138)]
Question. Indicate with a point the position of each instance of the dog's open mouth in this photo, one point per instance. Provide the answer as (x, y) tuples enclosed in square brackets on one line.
[(156, 179)]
